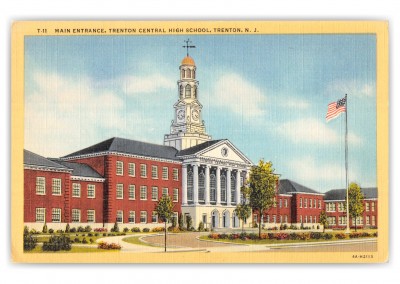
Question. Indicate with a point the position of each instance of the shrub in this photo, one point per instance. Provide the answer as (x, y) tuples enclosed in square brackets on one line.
[(365, 234), (303, 236), (315, 235), (158, 229), (57, 243), (146, 230), (67, 228), (201, 226), (96, 234), (271, 236), (135, 230), (340, 236), (173, 222), (29, 240), (253, 236), (180, 221), (84, 240), (80, 229), (104, 234), (255, 225), (327, 236), (60, 231), (375, 234), (104, 245), (77, 240), (126, 230), (213, 236), (189, 222), (100, 230), (115, 228), (293, 227), (293, 236), (72, 230), (355, 235), (51, 231), (88, 229), (91, 240), (281, 236), (44, 230)]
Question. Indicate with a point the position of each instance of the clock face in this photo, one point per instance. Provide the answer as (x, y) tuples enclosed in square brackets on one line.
[(195, 115), (181, 114)]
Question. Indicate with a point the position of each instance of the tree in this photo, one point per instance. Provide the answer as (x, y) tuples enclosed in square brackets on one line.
[(262, 185), (243, 209), (189, 222), (323, 220), (180, 221), (356, 206), (164, 209)]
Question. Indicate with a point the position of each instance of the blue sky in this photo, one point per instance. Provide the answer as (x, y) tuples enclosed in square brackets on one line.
[(268, 94)]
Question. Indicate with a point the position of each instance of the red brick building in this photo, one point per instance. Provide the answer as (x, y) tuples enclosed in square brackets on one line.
[(336, 210)]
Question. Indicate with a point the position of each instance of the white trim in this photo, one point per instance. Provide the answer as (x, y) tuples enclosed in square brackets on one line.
[(297, 192), (87, 178), (44, 168)]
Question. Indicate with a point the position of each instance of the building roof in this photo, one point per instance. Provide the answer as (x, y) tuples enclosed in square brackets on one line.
[(340, 194), (197, 148), (33, 159), (188, 61), (287, 186), (128, 146), (79, 169)]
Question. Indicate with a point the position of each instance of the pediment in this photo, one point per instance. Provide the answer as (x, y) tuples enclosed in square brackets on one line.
[(224, 150)]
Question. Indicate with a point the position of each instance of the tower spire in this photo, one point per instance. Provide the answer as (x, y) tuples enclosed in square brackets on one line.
[(187, 46)]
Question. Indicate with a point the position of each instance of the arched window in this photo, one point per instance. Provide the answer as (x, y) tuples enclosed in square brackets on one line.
[(187, 91), (201, 186), (183, 73), (188, 73), (190, 186), (213, 188), (223, 188), (181, 91), (195, 92), (233, 188)]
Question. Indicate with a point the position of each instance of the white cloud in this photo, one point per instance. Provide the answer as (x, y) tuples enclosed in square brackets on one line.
[(147, 84), (239, 96), (352, 88)]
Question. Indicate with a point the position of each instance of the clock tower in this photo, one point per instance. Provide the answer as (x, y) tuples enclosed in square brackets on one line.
[(187, 128)]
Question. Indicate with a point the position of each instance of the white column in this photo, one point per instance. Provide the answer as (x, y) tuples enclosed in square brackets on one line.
[(218, 185), (184, 184), (238, 186), (196, 184), (207, 185), (228, 186)]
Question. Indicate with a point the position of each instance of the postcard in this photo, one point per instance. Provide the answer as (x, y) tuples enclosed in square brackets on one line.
[(200, 142)]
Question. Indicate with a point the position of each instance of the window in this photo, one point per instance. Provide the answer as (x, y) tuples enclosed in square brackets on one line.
[(286, 203), (175, 174), (367, 206), (154, 217), (176, 195), (154, 193), (233, 189), (373, 220), (223, 188), (305, 219), (201, 186), (342, 220), (76, 215), (241, 181), (187, 91), (91, 191), (341, 207), (310, 203), (372, 206), (367, 221), (315, 203), (56, 186), (40, 215), (319, 204), (131, 169), (40, 185), (359, 220), (286, 219), (132, 194), (274, 218), (332, 221), (76, 190), (165, 173), (56, 215), (90, 216), (120, 191), (190, 186), (120, 216), (154, 172), (268, 219), (165, 191), (120, 168), (280, 203), (301, 202), (143, 217), (213, 188), (143, 192), (301, 219), (315, 219), (305, 203), (131, 218), (143, 170)]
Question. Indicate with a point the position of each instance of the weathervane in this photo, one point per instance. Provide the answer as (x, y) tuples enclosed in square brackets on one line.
[(187, 46)]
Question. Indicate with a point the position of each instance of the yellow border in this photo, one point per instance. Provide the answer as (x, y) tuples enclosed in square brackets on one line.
[(21, 29)]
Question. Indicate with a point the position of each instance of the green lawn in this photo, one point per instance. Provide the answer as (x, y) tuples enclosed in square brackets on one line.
[(74, 249), (136, 241)]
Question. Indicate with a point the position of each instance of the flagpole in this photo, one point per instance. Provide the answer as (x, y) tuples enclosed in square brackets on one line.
[(346, 149)]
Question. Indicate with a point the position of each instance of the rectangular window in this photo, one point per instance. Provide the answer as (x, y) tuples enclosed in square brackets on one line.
[(40, 215), (268, 219), (143, 192), (175, 174), (280, 203), (120, 168), (367, 221), (120, 216), (165, 191), (204, 218), (56, 186), (176, 195), (154, 193), (143, 217), (165, 173), (341, 207), (286, 219), (367, 206), (120, 191), (274, 218), (342, 220), (91, 216), (319, 204), (56, 215), (132, 194), (286, 203), (305, 219), (301, 219), (131, 169), (76, 215), (305, 203), (131, 217), (40, 185), (373, 220), (315, 219), (241, 181), (310, 203), (301, 203), (154, 172), (315, 203), (154, 217), (76, 190), (143, 170), (91, 191), (373, 206)]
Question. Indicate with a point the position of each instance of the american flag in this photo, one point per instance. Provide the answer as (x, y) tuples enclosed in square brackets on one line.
[(335, 109)]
